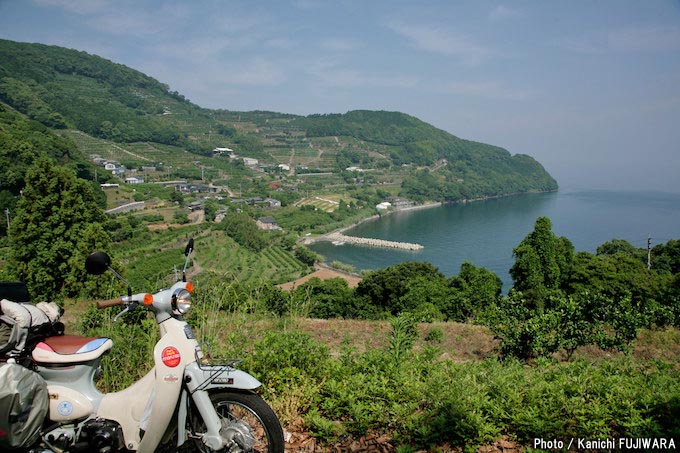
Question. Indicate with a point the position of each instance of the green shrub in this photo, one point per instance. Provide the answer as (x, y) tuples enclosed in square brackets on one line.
[(434, 335)]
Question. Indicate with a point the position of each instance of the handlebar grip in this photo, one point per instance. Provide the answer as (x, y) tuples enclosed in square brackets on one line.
[(110, 302)]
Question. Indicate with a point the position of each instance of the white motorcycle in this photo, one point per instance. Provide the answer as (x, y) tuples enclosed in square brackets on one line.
[(183, 403)]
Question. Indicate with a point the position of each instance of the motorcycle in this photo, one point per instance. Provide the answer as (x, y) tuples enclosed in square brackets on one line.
[(184, 403)]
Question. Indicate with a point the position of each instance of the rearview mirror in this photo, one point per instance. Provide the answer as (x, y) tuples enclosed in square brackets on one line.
[(97, 263)]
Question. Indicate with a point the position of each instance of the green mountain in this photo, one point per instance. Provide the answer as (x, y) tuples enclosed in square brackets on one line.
[(465, 169), (101, 104)]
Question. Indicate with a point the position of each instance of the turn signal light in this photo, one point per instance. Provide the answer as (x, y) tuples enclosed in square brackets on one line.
[(189, 287), (148, 299)]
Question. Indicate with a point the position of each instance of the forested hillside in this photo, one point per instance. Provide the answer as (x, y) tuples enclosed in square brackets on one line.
[(69, 89)]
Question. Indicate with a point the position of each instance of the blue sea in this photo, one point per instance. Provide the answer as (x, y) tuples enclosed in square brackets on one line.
[(486, 232)]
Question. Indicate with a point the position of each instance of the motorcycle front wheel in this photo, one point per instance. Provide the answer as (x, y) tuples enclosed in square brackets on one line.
[(248, 423)]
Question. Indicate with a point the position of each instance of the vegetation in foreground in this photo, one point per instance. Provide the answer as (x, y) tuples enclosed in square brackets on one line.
[(561, 302), (403, 389)]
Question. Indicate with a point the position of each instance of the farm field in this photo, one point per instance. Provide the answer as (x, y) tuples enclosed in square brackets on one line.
[(220, 255)]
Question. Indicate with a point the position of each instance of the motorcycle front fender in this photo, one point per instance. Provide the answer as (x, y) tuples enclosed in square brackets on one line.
[(206, 377), (199, 380)]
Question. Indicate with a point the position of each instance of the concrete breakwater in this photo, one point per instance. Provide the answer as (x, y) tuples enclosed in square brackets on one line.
[(338, 237)]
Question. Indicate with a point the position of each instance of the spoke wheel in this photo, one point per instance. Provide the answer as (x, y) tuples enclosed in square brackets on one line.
[(248, 424)]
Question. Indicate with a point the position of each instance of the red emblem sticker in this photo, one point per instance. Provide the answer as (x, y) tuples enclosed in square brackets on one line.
[(170, 356)]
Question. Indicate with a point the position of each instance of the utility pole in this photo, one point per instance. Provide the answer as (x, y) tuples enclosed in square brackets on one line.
[(649, 252), (7, 215)]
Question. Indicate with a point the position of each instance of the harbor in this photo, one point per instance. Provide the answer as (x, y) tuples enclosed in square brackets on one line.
[(338, 238)]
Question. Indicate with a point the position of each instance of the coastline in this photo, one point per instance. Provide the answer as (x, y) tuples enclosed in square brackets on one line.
[(426, 205), (332, 235)]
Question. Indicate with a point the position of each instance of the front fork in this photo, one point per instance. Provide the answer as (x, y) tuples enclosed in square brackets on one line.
[(198, 380), (211, 438)]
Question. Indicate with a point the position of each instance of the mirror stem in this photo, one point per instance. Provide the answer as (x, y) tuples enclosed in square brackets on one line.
[(120, 277)]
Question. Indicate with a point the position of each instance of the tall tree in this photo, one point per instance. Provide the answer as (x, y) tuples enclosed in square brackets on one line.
[(56, 224), (384, 289), (474, 289), (542, 263)]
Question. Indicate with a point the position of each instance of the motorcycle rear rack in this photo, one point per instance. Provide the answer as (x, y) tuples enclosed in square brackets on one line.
[(205, 361), (215, 370)]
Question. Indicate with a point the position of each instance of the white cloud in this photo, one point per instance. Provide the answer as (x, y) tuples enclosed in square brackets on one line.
[(437, 40), (487, 89), (254, 72), (339, 44), (626, 40), (502, 12), (122, 23), (308, 4), (281, 43), (331, 74), (76, 6), (644, 39)]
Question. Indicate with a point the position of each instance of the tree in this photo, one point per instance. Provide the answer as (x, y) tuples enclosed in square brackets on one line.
[(667, 256), (474, 289), (324, 299), (210, 210), (243, 230), (542, 263), (57, 223), (384, 289)]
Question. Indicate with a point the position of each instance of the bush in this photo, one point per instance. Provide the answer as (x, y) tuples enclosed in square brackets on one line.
[(243, 230)]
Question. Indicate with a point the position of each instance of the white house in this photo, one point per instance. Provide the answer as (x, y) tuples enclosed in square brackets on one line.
[(249, 161), (133, 180)]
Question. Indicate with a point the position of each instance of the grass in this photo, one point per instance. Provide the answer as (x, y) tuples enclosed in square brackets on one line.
[(221, 255), (339, 382)]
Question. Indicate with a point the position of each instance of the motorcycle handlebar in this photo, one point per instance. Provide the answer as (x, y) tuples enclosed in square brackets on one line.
[(110, 302)]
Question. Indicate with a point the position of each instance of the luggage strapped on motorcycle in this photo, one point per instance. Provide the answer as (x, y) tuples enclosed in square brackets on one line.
[(22, 324), (24, 401)]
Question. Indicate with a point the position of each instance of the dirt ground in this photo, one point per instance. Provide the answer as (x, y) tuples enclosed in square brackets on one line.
[(323, 273), (459, 342)]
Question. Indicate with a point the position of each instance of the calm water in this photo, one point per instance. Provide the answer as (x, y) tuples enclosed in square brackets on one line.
[(485, 233)]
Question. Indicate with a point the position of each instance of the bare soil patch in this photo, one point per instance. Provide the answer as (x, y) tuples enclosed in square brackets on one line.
[(323, 273), (460, 342)]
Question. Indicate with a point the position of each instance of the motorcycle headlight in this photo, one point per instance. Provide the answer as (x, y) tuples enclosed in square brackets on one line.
[(181, 301)]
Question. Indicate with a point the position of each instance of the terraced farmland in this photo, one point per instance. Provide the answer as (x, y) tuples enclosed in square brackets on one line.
[(324, 203), (223, 256)]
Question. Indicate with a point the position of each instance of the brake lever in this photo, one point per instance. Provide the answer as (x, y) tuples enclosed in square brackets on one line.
[(127, 308)]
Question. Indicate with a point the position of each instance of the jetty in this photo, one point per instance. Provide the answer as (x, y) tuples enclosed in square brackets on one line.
[(337, 237)]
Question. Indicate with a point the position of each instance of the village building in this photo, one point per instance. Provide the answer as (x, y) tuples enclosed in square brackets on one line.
[(268, 224), (195, 206), (219, 151), (196, 188), (272, 202), (400, 202)]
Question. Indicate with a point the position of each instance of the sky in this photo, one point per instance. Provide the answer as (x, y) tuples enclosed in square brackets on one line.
[(591, 89)]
